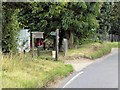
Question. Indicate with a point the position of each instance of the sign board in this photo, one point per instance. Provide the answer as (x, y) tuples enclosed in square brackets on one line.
[(23, 40), (37, 34), (53, 33)]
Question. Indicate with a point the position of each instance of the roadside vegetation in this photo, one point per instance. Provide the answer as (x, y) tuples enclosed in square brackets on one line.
[(76, 22), (93, 50), (23, 71)]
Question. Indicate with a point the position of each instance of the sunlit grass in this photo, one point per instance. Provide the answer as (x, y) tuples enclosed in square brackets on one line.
[(23, 71), (93, 50), (1, 69)]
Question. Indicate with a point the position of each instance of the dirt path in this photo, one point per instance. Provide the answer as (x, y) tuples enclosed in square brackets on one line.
[(79, 64)]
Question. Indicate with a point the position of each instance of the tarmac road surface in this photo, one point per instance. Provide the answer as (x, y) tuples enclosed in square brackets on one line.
[(101, 74)]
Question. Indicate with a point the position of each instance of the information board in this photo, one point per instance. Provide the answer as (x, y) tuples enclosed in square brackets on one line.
[(37, 34), (53, 33)]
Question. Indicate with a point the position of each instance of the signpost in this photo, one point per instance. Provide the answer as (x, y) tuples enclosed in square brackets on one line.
[(53, 33), (40, 35), (57, 43)]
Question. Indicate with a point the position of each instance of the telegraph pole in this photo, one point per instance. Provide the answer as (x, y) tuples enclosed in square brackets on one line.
[(57, 43)]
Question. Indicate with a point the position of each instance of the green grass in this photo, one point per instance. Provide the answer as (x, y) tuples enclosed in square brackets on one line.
[(100, 52), (114, 44), (93, 50), (23, 71)]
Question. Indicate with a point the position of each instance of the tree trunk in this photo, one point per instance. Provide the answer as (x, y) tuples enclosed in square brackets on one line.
[(61, 35), (69, 35), (71, 39)]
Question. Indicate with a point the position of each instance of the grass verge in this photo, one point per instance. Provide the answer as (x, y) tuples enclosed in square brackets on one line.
[(93, 50), (23, 71)]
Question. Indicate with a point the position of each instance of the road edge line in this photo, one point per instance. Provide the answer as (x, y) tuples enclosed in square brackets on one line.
[(72, 79)]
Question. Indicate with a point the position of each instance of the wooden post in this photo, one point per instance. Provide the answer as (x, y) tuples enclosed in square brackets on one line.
[(32, 44), (57, 42), (38, 50)]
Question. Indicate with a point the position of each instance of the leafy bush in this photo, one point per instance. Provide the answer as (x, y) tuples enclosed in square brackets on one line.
[(10, 27)]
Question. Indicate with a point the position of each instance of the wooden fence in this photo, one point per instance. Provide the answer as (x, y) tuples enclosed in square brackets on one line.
[(107, 37), (114, 38)]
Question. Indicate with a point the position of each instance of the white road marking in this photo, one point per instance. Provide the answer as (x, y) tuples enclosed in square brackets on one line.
[(72, 79)]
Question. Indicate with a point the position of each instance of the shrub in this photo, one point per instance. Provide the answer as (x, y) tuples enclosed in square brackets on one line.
[(10, 27)]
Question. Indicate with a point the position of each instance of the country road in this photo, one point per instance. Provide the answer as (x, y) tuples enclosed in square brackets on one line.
[(103, 73)]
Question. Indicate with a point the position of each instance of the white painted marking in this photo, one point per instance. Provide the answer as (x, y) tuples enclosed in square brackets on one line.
[(72, 79)]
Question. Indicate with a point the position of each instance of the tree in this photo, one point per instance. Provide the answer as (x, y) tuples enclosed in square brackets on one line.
[(105, 20), (115, 26), (10, 27), (70, 17), (0, 26), (109, 20)]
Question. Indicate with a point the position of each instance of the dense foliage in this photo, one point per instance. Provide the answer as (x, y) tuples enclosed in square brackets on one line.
[(75, 20), (72, 18), (109, 20), (115, 26), (10, 27), (105, 20), (0, 25)]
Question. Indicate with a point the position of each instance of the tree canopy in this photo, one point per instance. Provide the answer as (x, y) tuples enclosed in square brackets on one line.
[(75, 20), (76, 17)]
